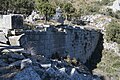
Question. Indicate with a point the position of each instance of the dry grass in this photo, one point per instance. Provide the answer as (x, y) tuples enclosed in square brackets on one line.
[(110, 64)]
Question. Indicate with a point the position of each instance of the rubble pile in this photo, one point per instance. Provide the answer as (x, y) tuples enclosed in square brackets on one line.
[(21, 66)]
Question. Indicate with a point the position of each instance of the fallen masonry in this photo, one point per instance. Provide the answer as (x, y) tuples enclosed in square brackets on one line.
[(32, 68)]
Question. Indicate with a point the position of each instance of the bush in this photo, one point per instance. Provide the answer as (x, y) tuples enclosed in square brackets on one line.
[(113, 32), (117, 15)]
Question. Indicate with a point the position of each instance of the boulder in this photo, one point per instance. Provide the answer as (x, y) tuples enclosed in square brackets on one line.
[(16, 56), (27, 74), (14, 40), (2, 63), (15, 64), (26, 63)]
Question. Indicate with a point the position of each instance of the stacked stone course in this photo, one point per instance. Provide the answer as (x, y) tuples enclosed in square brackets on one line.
[(63, 40)]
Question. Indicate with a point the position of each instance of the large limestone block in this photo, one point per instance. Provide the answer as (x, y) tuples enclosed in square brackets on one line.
[(12, 21), (3, 39), (14, 40), (26, 63)]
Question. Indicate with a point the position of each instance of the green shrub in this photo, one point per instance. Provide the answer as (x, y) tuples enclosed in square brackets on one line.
[(113, 32)]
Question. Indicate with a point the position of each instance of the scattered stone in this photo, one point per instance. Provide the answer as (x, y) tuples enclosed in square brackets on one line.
[(46, 65), (12, 49), (26, 63), (62, 70)]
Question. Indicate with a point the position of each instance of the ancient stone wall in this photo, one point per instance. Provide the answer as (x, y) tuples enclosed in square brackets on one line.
[(65, 40)]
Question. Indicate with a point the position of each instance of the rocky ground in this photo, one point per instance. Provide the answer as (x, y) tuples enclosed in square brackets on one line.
[(21, 66), (16, 65)]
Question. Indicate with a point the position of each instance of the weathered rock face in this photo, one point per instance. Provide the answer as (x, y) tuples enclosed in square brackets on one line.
[(62, 41)]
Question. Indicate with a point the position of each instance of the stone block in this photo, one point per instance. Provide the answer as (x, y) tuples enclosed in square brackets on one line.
[(11, 21), (27, 74), (2, 63), (26, 63), (15, 56), (3, 39), (14, 40)]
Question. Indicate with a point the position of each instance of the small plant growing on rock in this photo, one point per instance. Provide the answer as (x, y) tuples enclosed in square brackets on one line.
[(68, 59), (74, 61)]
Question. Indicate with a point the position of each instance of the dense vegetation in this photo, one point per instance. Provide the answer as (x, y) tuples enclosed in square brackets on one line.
[(16, 6), (70, 8)]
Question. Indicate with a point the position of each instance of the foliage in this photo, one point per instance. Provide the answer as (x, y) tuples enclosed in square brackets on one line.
[(74, 61), (93, 8), (87, 9), (68, 59), (17, 6), (117, 15), (46, 9), (109, 12), (68, 10), (113, 32)]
